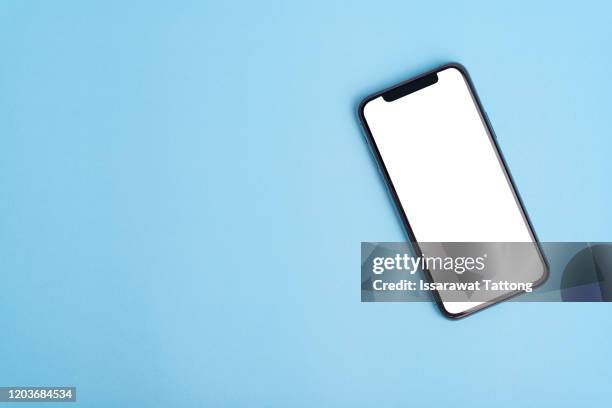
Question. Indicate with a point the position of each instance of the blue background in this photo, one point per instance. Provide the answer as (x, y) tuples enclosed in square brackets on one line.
[(185, 188)]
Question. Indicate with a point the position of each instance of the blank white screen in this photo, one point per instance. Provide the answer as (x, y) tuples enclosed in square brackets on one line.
[(444, 166)]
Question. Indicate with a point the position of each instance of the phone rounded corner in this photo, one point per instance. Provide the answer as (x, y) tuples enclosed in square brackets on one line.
[(361, 106), (545, 275), (455, 65), (450, 315), (461, 69)]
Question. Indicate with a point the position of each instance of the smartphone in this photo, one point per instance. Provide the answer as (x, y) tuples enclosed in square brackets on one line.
[(440, 160)]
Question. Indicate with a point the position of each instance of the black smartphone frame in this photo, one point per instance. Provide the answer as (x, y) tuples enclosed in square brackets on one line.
[(412, 85)]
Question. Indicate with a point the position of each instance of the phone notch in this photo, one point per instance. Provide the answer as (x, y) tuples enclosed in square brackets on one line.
[(410, 87)]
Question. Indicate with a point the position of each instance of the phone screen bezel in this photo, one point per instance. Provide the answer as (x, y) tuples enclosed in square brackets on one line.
[(406, 223)]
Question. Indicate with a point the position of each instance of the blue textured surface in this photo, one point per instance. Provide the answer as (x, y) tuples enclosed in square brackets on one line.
[(185, 187)]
